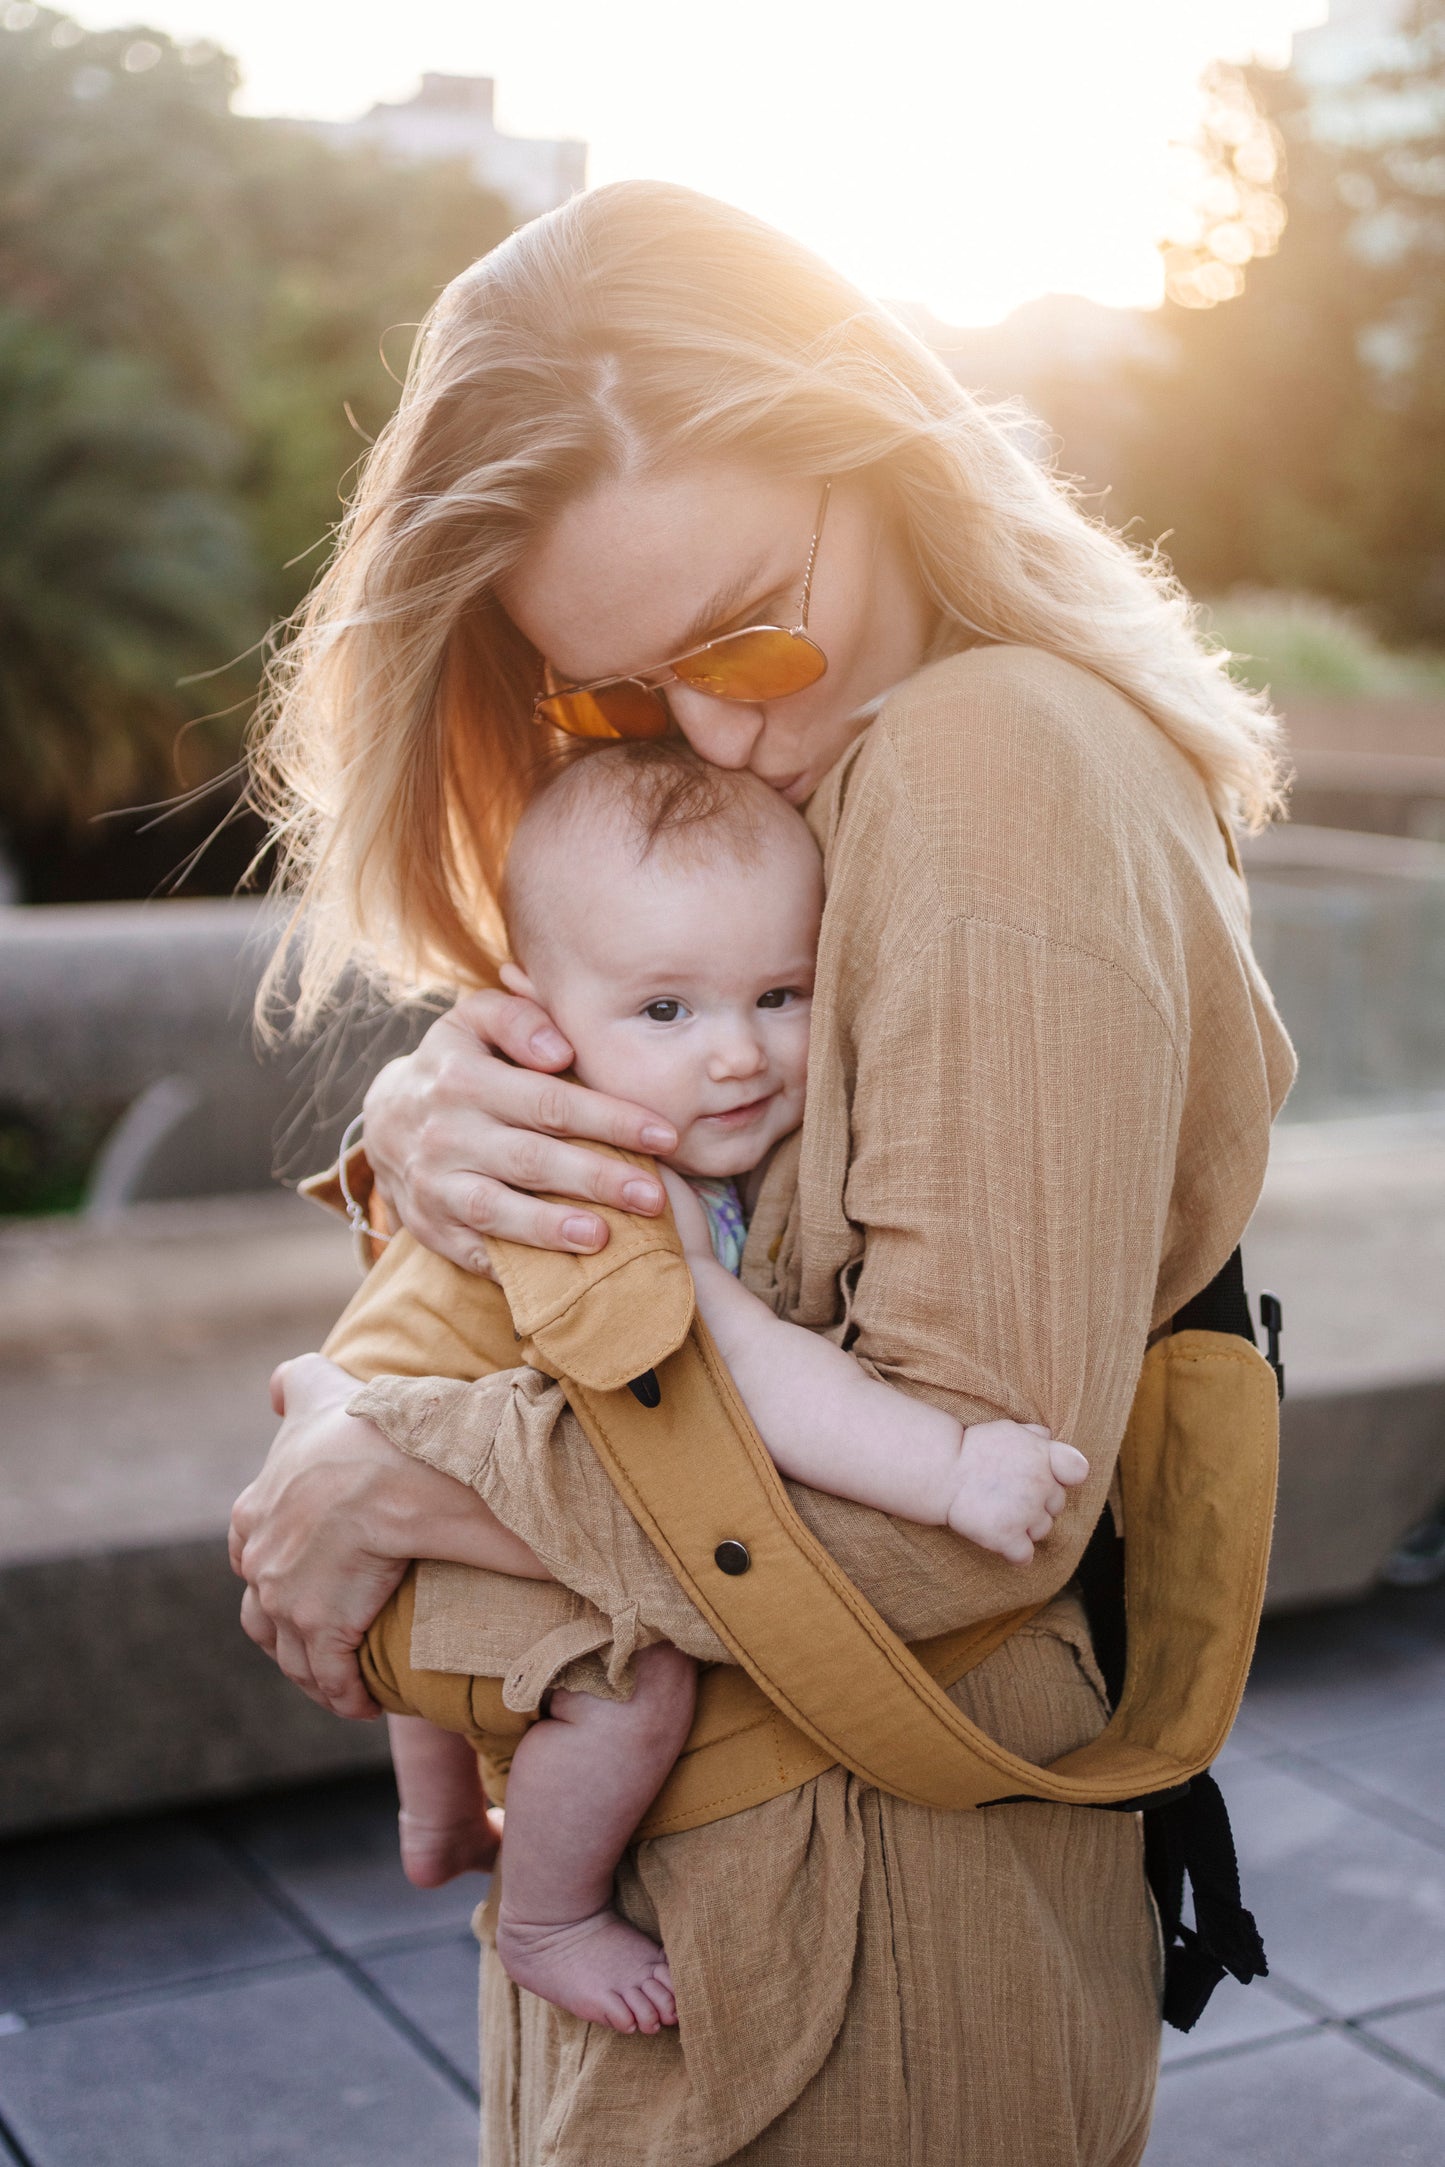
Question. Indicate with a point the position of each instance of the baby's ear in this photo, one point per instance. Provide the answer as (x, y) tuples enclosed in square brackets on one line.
[(515, 979)]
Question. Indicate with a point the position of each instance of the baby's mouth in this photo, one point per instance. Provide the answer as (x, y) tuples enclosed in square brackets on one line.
[(737, 1117)]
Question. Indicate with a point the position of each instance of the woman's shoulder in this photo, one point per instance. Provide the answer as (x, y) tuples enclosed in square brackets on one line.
[(998, 706), (1009, 784), (1010, 742)]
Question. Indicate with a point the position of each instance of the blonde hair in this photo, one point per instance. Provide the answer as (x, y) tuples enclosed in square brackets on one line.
[(639, 326), (660, 798)]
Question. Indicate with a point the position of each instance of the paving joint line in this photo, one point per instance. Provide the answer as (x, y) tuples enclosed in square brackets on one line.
[(265, 1882), (8, 2137), (1393, 2058), (157, 1992), (1350, 1792), (1379, 2050), (1202, 2056), (426, 1937)]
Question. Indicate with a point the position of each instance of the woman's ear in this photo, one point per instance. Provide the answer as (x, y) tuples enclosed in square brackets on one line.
[(515, 979)]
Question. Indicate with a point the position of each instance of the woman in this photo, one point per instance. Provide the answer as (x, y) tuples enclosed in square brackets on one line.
[(1043, 1071)]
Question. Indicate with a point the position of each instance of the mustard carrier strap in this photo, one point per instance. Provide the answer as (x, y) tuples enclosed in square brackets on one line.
[(1197, 1471), (1197, 1475)]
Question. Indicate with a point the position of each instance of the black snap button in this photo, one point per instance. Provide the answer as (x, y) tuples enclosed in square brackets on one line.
[(731, 1557)]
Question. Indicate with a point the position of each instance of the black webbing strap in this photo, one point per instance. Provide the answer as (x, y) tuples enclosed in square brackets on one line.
[(1222, 1306), (1190, 1838), (1187, 1837)]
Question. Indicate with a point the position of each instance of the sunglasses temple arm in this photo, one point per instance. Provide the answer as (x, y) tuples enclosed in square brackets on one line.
[(813, 552)]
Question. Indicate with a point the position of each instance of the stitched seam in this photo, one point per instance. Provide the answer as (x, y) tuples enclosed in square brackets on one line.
[(1250, 1359), (994, 1757), (596, 1278)]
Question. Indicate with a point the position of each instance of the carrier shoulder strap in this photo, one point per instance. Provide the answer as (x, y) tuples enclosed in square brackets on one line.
[(1197, 1471)]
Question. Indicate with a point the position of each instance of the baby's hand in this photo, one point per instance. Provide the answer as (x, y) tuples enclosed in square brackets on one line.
[(688, 1215), (1013, 1480)]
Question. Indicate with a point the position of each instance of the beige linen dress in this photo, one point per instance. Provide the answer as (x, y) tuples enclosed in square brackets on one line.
[(1042, 1074)]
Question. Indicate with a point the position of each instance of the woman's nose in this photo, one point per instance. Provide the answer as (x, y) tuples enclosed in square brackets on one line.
[(722, 732)]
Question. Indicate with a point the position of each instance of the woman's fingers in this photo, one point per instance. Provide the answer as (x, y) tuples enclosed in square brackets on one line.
[(339, 1683), (470, 1132), (293, 1663), (255, 1624), (516, 1026), (554, 1106)]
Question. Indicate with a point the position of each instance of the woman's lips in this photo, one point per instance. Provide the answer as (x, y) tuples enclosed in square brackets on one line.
[(785, 785)]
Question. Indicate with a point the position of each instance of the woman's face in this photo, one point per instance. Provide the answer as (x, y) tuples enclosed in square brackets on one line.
[(646, 567)]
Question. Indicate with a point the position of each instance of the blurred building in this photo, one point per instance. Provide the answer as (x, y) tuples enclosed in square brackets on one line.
[(451, 116), (1358, 37), (1338, 56)]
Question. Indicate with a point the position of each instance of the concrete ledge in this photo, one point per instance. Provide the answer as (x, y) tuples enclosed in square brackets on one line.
[(1357, 1469), (133, 1362), (129, 1684), (134, 1355)]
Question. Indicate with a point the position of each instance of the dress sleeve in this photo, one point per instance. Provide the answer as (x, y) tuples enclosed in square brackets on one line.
[(1015, 1116)]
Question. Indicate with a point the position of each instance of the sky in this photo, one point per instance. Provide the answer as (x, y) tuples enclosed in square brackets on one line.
[(955, 152)]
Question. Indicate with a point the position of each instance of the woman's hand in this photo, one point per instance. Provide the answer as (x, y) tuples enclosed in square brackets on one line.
[(460, 1131), (329, 1526)]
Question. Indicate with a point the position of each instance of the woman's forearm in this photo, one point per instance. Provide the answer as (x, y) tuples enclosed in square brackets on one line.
[(824, 1420)]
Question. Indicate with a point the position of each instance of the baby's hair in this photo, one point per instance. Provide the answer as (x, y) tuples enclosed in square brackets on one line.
[(665, 800)]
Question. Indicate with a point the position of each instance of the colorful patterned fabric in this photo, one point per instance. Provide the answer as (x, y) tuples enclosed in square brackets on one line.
[(725, 1221)]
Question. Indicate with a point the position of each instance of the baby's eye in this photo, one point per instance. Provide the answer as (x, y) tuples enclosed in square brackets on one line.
[(777, 997), (663, 1011)]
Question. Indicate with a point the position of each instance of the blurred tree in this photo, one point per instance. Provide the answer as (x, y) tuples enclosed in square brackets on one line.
[(1290, 432), (1253, 427), (1393, 176), (122, 566), (192, 305)]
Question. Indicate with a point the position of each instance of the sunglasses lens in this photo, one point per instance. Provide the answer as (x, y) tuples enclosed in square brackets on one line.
[(618, 711), (762, 665)]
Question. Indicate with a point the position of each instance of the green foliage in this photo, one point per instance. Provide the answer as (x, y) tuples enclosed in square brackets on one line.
[(122, 566), (1300, 646), (1294, 437), (190, 301)]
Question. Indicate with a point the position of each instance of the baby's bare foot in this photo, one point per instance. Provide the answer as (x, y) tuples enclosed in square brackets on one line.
[(600, 1968), (434, 1852)]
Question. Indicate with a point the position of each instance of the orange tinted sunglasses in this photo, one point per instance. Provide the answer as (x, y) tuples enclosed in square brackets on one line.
[(758, 662)]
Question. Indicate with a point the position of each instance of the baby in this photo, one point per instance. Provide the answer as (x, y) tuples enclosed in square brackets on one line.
[(666, 915)]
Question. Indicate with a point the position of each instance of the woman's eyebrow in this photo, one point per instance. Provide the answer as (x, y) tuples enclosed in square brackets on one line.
[(724, 606)]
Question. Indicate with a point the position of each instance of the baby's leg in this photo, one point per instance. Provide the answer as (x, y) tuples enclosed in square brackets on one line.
[(445, 1828), (580, 1782)]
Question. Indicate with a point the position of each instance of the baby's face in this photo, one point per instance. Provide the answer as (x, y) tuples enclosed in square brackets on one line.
[(688, 989)]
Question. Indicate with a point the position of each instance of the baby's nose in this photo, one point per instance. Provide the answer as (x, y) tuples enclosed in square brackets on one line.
[(739, 1053)]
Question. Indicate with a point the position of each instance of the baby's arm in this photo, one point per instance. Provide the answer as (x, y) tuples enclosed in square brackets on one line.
[(826, 1422)]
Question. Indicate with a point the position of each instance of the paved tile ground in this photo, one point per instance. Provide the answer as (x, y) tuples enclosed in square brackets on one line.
[(256, 1986)]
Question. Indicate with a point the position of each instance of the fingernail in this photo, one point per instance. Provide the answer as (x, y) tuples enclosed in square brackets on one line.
[(550, 1045), (654, 1138), (583, 1233), (642, 1196)]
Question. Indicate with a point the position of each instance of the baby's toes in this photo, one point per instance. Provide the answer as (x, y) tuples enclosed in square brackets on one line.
[(645, 2013), (617, 2010), (658, 1990)]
